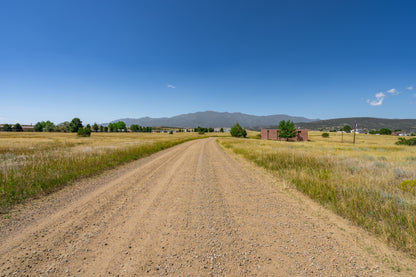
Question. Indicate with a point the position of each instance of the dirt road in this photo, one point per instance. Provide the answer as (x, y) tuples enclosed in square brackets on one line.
[(192, 210)]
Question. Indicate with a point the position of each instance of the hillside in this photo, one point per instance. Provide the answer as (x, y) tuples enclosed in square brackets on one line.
[(213, 119), (366, 123)]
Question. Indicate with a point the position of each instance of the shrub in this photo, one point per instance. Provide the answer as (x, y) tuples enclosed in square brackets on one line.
[(325, 135), (238, 131), (62, 127), (400, 173), (408, 185), (84, 132), (403, 141), (380, 164)]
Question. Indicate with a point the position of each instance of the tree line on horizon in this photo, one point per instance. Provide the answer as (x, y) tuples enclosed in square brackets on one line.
[(382, 131), (75, 125), (12, 128)]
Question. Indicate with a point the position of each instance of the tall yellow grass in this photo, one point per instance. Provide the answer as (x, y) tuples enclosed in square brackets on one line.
[(37, 163), (367, 182)]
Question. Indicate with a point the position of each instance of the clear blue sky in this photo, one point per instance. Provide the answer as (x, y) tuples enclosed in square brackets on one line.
[(104, 60)]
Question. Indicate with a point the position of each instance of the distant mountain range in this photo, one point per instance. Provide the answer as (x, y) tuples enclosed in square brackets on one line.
[(213, 119), (365, 123), (254, 122)]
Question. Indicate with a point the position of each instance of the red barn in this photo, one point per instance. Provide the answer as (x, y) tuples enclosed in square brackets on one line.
[(273, 134)]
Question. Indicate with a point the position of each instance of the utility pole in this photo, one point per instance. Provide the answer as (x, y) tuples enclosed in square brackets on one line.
[(355, 128)]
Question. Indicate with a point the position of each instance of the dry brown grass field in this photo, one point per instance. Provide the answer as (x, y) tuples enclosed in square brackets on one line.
[(38, 163), (372, 182)]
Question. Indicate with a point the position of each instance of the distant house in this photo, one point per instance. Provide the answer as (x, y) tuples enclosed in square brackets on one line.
[(28, 128), (400, 133), (273, 134), (225, 129), (358, 131)]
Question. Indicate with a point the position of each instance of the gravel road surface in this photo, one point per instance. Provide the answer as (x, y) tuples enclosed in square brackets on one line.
[(191, 210)]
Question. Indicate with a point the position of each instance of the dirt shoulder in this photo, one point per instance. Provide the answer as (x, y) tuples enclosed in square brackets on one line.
[(189, 210)]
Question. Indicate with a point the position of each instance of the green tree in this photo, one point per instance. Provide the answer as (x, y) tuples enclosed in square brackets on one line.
[(135, 128), (121, 126), (38, 127), (325, 135), (17, 127), (238, 131), (287, 129), (385, 131), (84, 132), (222, 130), (62, 127), (347, 129), (101, 128), (7, 128), (48, 126), (112, 127), (95, 127), (88, 126), (105, 129), (75, 124)]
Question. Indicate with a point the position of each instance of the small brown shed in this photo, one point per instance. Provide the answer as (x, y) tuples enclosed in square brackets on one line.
[(273, 134)]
